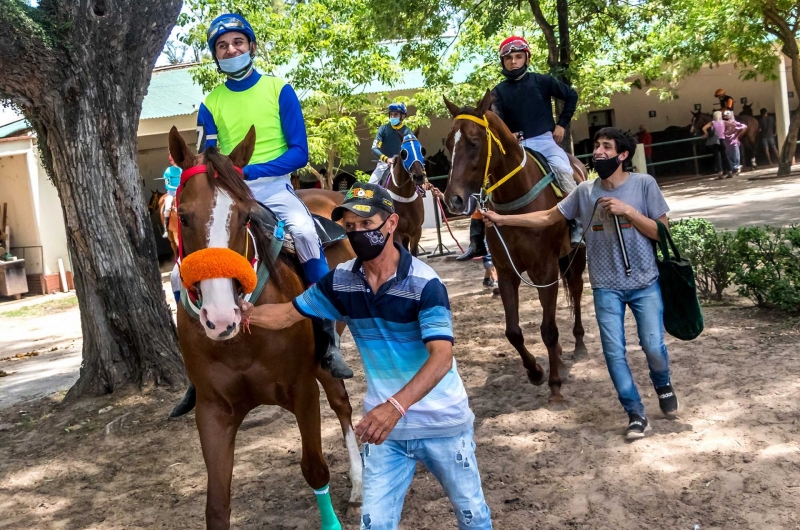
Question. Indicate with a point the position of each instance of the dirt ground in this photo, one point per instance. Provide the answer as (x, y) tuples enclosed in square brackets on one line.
[(731, 461)]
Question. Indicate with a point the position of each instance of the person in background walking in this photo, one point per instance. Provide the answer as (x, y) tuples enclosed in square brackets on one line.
[(172, 179), (766, 124), (733, 130), (646, 140), (722, 163)]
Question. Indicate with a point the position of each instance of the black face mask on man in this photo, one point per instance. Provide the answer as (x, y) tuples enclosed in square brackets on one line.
[(368, 244), (605, 167)]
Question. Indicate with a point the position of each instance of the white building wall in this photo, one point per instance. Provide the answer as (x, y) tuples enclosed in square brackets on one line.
[(632, 109), (52, 230)]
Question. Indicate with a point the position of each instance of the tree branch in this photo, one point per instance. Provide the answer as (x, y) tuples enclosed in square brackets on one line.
[(25, 50), (549, 33)]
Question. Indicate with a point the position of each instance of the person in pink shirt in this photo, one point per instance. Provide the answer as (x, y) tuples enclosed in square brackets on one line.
[(733, 130), (715, 134)]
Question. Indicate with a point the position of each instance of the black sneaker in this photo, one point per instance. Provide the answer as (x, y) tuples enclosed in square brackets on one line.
[(487, 282), (638, 427), (668, 401)]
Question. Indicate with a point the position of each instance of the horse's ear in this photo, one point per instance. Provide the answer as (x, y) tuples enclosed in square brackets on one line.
[(179, 151), (454, 110), (485, 103), (241, 154)]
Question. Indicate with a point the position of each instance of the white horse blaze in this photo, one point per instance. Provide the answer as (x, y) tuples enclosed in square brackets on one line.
[(456, 138), (219, 298)]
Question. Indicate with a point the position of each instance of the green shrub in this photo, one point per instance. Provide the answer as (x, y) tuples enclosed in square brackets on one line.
[(710, 252), (768, 270)]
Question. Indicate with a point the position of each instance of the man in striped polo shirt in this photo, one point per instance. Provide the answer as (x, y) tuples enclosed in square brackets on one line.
[(416, 408)]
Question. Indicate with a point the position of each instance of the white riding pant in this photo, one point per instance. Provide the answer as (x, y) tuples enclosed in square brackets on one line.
[(278, 195), (380, 169), (168, 200), (556, 157)]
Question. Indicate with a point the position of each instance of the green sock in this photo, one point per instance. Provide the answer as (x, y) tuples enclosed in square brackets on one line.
[(326, 513)]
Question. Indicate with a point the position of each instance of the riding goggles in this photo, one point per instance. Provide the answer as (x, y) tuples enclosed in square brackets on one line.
[(514, 46)]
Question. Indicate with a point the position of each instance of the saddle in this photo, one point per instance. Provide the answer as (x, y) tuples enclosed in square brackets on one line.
[(328, 231), (280, 241), (541, 161)]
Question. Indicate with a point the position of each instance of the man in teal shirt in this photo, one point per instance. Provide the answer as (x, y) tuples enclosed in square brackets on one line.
[(172, 179)]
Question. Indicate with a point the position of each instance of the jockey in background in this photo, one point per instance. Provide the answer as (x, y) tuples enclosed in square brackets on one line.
[(388, 140), (172, 179)]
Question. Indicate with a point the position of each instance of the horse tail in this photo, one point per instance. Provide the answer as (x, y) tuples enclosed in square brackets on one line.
[(566, 276)]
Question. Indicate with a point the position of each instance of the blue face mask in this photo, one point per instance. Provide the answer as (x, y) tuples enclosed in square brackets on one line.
[(237, 67), (394, 121)]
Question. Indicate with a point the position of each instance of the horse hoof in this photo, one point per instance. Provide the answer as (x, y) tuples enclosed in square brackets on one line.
[(353, 510), (538, 377), (557, 403), (580, 352)]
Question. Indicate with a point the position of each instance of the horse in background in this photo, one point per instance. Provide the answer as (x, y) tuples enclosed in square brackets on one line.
[(221, 230), (404, 180)]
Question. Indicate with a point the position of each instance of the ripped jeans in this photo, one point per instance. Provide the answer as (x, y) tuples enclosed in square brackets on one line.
[(389, 468), (648, 309)]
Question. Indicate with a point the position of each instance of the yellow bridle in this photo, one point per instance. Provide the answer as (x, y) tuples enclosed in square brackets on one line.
[(491, 137)]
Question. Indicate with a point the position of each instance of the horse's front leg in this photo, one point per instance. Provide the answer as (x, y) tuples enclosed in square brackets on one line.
[(509, 294), (548, 298), (217, 428)]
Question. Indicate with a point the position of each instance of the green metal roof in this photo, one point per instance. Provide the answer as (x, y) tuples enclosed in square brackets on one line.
[(172, 92), (14, 127)]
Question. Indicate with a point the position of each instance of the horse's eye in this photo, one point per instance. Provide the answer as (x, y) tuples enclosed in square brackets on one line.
[(183, 220)]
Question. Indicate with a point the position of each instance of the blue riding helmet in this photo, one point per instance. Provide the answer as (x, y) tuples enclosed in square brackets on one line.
[(225, 24), (411, 151), (398, 107)]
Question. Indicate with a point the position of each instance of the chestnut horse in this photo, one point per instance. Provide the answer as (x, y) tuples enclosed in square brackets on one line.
[(236, 370), (402, 187), (539, 252)]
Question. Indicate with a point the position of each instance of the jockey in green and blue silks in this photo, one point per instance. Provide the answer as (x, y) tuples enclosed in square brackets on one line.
[(386, 145), (249, 98)]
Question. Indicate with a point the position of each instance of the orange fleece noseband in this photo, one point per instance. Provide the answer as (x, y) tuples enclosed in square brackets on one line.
[(211, 263)]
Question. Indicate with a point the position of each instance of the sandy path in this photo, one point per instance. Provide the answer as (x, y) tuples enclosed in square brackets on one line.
[(732, 461)]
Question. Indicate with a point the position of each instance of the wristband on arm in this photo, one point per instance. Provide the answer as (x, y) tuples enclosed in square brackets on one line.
[(398, 406)]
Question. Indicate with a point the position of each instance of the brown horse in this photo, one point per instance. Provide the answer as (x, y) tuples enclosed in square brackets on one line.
[(748, 139), (233, 370), (172, 232), (402, 187), (539, 252)]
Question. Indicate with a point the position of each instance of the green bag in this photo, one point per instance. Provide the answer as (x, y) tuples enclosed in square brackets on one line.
[(683, 318)]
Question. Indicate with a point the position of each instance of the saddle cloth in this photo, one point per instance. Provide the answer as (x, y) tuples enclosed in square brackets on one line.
[(541, 160), (328, 231)]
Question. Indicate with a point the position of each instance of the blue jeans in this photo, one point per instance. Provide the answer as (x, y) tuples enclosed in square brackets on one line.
[(389, 468), (648, 310), (733, 157)]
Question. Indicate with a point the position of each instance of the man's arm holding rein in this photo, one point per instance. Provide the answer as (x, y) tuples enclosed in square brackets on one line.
[(527, 220), (271, 316)]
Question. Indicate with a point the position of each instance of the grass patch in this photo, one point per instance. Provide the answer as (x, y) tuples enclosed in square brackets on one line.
[(37, 310)]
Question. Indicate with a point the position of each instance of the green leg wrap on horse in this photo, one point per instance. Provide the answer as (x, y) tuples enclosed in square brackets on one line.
[(326, 513)]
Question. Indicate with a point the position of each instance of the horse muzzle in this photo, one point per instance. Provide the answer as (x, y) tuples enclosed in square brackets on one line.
[(213, 270)]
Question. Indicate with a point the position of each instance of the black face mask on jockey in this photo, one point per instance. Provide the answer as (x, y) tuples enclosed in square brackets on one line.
[(516, 73)]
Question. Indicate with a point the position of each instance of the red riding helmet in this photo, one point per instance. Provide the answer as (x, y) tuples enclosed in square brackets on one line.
[(514, 44)]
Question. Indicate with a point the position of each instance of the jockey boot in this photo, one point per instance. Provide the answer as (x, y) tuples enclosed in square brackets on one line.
[(576, 233), (477, 246), (332, 359), (186, 404), (165, 235)]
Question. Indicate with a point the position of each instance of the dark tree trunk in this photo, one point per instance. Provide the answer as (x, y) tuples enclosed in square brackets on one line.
[(79, 72), (790, 144)]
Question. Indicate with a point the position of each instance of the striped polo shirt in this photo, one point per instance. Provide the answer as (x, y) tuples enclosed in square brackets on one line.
[(390, 329)]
